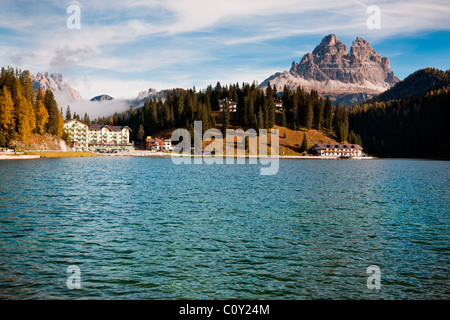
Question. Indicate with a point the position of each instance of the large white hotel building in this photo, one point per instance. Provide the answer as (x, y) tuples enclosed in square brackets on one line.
[(96, 137)]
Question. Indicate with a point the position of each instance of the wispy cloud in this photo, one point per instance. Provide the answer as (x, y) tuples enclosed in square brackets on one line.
[(188, 42)]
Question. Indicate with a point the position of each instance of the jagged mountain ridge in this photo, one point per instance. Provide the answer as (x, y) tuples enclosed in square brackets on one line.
[(345, 76), (54, 82)]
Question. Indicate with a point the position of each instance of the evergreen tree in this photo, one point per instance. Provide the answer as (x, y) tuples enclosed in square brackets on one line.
[(283, 118), (328, 114), (141, 135), (318, 114), (226, 118), (309, 115), (68, 113), (270, 106), (260, 119), (55, 124), (304, 146), (86, 118)]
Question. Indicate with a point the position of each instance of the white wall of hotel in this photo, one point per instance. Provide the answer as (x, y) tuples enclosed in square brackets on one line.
[(98, 137), (337, 151)]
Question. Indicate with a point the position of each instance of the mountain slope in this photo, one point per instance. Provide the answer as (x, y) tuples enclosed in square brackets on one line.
[(332, 70), (410, 120), (418, 83)]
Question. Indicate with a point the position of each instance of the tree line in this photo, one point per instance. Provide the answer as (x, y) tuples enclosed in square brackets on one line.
[(24, 111), (255, 109), (408, 127)]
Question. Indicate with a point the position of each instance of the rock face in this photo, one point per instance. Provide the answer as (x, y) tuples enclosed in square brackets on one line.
[(56, 83), (347, 77), (103, 97), (150, 94), (146, 94)]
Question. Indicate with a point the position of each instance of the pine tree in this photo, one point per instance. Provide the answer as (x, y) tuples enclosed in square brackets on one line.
[(205, 118), (226, 118), (260, 119), (318, 114), (86, 118), (304, 146), (328, 114), (253, 121), (55, 124), (141, 135), (309, 115), (270, 106), (283, 118), (68, 113)]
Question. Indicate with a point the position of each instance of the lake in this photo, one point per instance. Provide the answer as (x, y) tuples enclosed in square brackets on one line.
[(145, 228)]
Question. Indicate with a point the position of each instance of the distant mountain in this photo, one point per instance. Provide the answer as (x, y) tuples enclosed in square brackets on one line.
[(146, 95), (54, 82), (416, 84), (103, 97), (346, 77)]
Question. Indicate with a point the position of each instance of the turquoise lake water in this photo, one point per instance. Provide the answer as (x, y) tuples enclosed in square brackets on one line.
[(144, 228)]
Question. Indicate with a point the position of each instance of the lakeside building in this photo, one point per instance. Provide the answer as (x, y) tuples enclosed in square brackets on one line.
[(337, 150), (278, 104), (157, 144), (232, 105), (96, 137)]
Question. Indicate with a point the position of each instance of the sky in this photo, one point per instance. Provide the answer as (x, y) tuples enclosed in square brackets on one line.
[(125, 47)]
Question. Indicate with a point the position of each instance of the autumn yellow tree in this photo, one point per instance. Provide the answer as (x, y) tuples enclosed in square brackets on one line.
[(6, 115), (25, 117), (41, 116), (6, 109), (40, 111)]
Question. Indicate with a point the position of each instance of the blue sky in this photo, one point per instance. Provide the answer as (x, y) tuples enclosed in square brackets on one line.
[(124, 47)]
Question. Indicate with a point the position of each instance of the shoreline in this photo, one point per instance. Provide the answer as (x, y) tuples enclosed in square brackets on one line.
[(18, 157), (141, 153)]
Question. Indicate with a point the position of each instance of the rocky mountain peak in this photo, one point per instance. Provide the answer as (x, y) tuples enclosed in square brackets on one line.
[(56, 83), (332, 70), (330, 45)]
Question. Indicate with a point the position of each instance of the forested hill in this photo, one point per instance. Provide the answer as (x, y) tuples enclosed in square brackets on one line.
[(255, 108), (415, 125), (24, 111), (417, 84)]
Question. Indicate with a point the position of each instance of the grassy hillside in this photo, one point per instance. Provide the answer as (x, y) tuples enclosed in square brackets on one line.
[(290, 140)]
